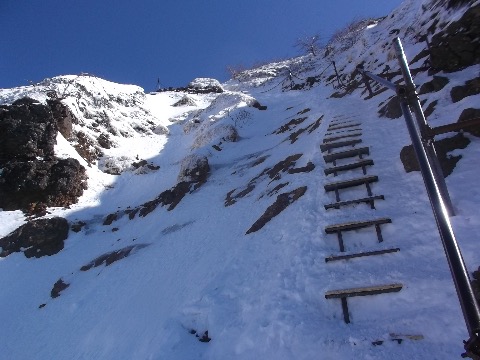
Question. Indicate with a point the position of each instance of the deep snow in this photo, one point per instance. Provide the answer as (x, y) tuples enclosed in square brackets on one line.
[(260, 296)]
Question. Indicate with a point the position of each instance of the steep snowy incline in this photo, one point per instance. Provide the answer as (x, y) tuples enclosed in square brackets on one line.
[(202, 232)]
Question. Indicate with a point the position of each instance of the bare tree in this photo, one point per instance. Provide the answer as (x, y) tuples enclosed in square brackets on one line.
[(309, 44)]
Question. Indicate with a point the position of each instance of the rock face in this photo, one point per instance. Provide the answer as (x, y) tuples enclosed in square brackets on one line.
[(53, 183), (204, 86), (458, 46), (469, 114), (27, 131), (30, 172), (36, 238), (443, 147)]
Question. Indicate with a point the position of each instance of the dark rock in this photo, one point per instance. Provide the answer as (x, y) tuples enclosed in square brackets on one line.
[(471, 87), (258, 106), (194, 168), (290, 125), (104, 141), (54, 183), (309, 167), (280, 204), (110, 219), (457, 46), (443, 147), (86, 147), (27, 131), (111, 257), (434, 85), (430, 108), (77, 227), (469, 114), (185, 101), (58, 287), (36, 238), (391, 109), (63, 117)]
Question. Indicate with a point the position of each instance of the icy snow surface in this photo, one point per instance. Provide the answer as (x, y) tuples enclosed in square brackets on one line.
[(259, 296)]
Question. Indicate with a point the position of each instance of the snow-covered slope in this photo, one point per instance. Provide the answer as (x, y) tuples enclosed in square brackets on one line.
[(239, 262)]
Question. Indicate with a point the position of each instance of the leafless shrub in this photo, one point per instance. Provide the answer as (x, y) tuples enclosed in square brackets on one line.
[(309, 44), (349, 35)]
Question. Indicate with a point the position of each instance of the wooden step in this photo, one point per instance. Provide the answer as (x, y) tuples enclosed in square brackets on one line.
[(327, 140), (368, 200), (338, 127), (359, 164), (360, 254), (350, 183), (341, 132), (333, 145), (362, 291), (355, 225), (339, 228), (346, 154)]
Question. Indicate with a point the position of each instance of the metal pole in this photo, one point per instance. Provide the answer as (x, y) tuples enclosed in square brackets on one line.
[(413, 100), (468, 303)]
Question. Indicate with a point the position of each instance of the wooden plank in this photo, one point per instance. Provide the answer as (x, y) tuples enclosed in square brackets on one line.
[(333, 128), (346, 154), (355, 165), (363, 291), (333, 145), (366, 200), (355, 225), (350, 183), (327, 140), (341, 132), (361, 254)]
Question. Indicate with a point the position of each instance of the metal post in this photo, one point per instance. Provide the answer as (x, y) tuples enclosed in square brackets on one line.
[(461, 279), (413, 100)]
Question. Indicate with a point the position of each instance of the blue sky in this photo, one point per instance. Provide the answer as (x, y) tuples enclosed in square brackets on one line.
[(137, 42)]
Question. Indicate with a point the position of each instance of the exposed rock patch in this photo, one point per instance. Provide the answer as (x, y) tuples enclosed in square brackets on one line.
[(391, 109), (36, 238), (458, 46), (434, 85), (58, 287), (310, 128), (280, 204), (54, 183), (185, 101), (274, 173), (443, 147), (27, 131), (290, 125), (468, 114), (471, 87), (111, 257)]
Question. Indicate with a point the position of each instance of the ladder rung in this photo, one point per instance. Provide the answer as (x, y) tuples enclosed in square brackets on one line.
[(362, 254), (334, 127), (355, 225), (333, 145), (355, 165), (366, 200), (327, 140), (363, 291), (346, 154), (350, 183)]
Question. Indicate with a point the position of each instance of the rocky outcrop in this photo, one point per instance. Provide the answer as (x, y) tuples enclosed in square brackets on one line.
[(471, 87), (36, 238), (54, 183), (458, 46), (31, 174), (27, 131), (111, 257), (443, 147), (280, 204), (469, 114)]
